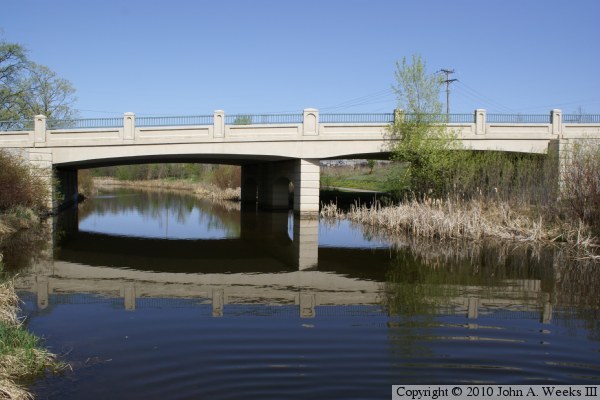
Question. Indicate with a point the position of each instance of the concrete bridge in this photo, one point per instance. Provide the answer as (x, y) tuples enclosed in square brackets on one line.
[(273, 150)]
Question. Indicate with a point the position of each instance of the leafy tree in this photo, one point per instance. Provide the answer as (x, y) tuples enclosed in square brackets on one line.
[(28, 89), (13, 65), (419, 138), (371, 165), (47, 94)]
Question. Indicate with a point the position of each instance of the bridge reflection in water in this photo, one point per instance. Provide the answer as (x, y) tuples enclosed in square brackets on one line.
[(271, 263)]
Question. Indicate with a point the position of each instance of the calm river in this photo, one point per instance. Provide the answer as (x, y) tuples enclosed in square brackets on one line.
[(162, 296)]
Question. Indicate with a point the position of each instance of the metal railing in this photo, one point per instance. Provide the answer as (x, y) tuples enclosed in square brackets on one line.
[(87, 123), (581, 118), (461, 118), (22, 125), (257, 119), (440, 118), (174, 121), (384, 118), (518, 118)]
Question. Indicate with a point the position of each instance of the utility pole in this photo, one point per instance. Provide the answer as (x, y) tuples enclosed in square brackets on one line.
[(448, 81)]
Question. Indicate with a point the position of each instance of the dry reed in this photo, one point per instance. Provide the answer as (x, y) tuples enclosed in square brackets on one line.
[(447, 219)]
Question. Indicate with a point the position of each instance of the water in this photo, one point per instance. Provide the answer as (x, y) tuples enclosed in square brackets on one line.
[(156, 295)]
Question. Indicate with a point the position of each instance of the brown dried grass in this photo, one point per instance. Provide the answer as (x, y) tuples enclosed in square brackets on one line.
[(448, 219)]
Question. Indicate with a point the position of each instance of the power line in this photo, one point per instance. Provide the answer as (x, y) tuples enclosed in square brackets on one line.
[(448, 81), (478, 96), (372, 98)]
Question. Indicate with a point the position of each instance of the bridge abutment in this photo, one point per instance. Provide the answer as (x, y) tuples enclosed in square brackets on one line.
[(271, 184)]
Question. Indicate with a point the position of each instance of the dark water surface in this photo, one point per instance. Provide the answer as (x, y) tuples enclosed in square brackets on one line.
[(163, 296)]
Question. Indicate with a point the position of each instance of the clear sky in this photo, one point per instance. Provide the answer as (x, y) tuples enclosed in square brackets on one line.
[(185, 57)]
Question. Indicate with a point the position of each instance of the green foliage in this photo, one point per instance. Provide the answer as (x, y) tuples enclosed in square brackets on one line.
[(516, 178), (19, 186), (223, 176), (430, 161), (371, 165), (28, 89), (242, 120), (417, 90), (47, 94), (355, 177), (13, 63), (419, 139)]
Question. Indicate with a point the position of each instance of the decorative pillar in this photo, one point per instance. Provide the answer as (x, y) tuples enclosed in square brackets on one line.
[(398, 115), (480, 121), (556, 120), (219, 123), (128, 126), (310, 122), (39, 129)]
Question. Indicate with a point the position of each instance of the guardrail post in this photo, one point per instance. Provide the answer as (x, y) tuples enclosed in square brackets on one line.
[(219, 123), (480, 121), (39, 129), (556, 120), (128, 126), (310, 122)]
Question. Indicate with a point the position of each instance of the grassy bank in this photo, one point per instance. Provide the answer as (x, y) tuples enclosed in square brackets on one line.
[(356, 177), (23, 197), (199, 189), (17, 218), (22, 356)]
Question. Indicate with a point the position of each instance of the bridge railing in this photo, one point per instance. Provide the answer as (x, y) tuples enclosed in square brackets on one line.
[(581, 118), (553, 118), (175, 120), (440, 118), (257, 119), (86, 123), (519, 118), (382, 118), (21, 125)]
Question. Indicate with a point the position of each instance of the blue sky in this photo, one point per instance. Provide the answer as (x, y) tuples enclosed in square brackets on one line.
[(184, 57)]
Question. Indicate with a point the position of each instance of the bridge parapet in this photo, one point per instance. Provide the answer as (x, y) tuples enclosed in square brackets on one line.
[(309, 125)]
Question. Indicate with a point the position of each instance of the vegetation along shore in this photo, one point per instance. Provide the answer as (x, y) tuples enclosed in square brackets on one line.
[(441, 190)]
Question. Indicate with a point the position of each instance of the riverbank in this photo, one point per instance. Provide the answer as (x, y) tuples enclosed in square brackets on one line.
[(199, 189), (473, 220), (16, 219), (21, 355)]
